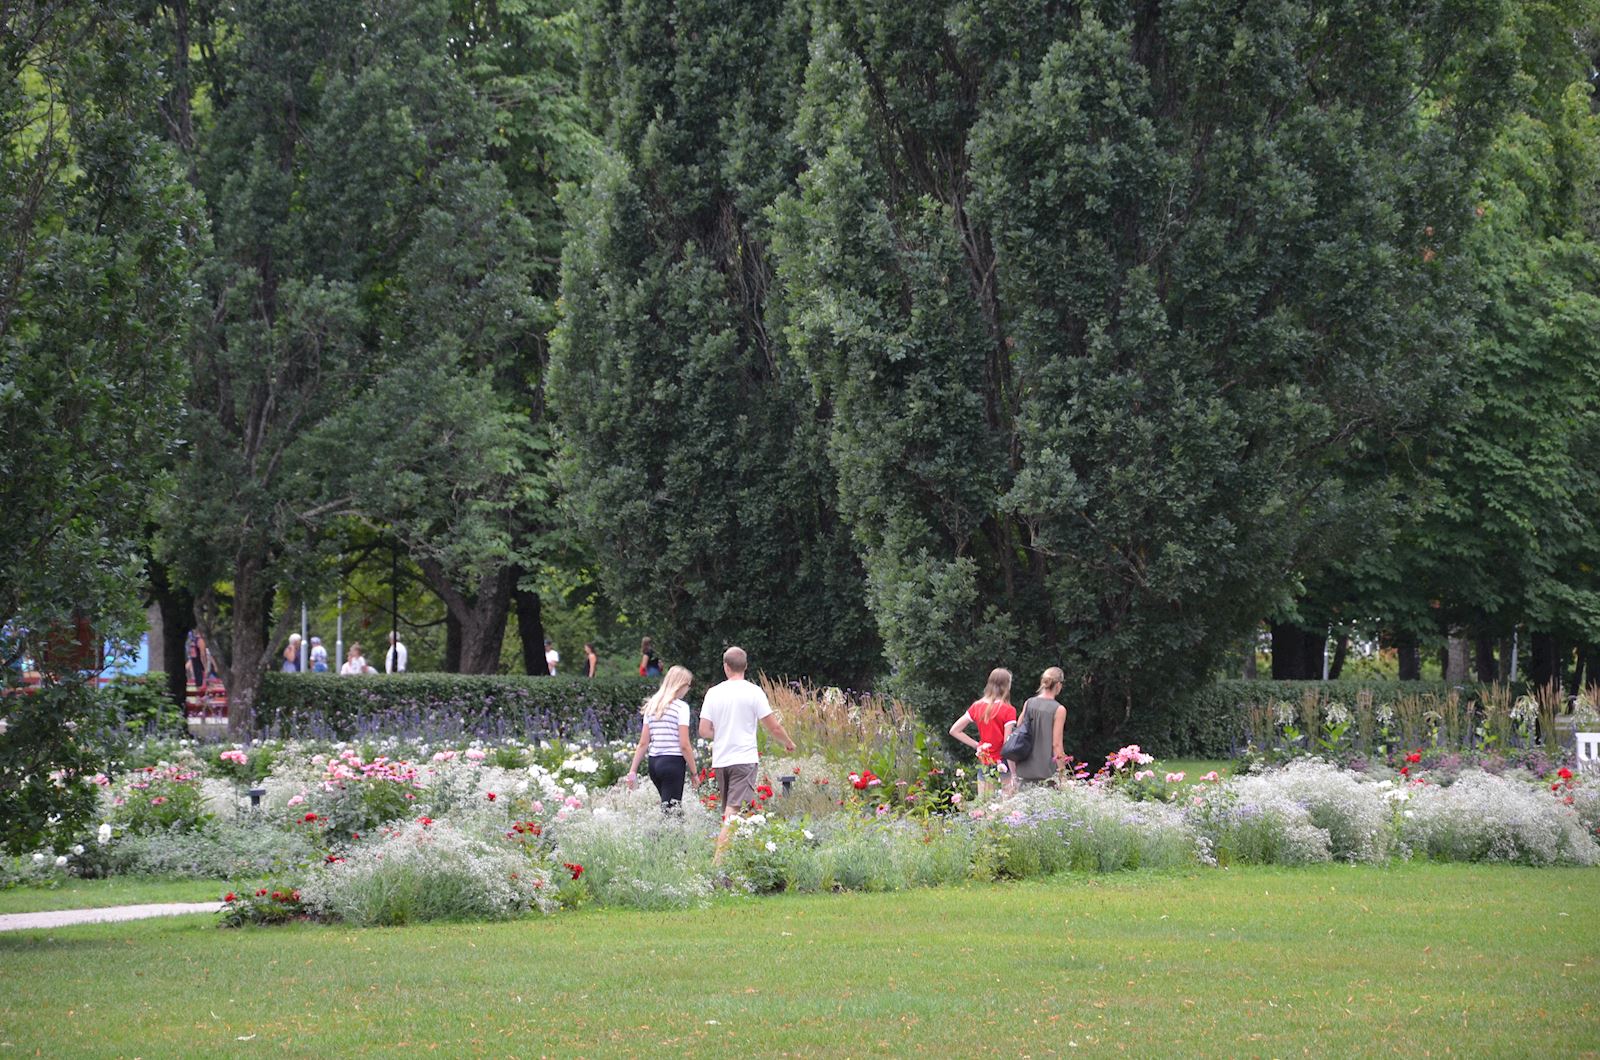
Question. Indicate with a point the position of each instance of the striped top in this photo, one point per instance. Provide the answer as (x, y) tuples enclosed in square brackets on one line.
[(664, 730)]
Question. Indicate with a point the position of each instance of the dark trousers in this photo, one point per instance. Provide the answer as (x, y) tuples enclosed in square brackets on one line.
[(667, 773)]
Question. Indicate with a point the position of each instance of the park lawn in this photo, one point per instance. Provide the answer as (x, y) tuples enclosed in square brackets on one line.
[(1193, 768), (1412, 959), (119, 890)]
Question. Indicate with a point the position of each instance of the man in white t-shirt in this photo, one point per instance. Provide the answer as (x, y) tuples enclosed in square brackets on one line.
[(394, 660), (552, 658), (728, 718)]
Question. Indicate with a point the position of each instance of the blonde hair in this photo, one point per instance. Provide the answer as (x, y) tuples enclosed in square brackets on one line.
[(1051, 680), (673, 686), (996, 692)]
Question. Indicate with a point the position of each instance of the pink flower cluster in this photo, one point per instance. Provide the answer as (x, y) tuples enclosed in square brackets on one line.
[(235, 756), (348, 767), (1128, 756)]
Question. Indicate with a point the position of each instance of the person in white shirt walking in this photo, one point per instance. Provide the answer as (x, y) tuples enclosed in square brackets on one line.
[(729, 716), (394, 660), (552, 658)]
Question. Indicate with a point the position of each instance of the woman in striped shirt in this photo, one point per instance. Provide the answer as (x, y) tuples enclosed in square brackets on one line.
[(665, 737)]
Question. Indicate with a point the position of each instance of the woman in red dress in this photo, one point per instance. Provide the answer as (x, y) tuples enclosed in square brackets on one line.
[(994, 716)]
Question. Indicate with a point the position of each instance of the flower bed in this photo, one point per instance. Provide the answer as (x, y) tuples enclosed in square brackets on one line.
[(392, 830)]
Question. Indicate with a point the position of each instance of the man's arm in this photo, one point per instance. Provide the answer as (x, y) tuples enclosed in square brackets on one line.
[(707, 730), (775, 727)]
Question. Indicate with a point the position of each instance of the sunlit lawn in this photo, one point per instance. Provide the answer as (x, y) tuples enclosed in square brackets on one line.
[(1409, 960), (96, 894)]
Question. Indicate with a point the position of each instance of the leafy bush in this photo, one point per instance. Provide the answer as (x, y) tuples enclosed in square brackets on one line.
[(139, 705), (1255, 825), (164, 798), (1355, 815), (270, 903), (47, 754), (1482, 817), (424, 872), (444, 708), (1084, 829), (218, 850)]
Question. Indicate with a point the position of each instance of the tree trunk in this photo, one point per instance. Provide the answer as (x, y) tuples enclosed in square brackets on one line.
[(1455, 659), (1544, 660), (243, 658), (452, 643), (479, 618), (1296, 653), (1341, 652), (176, 605), (1483, 658), (530, 622), (1410, 657)]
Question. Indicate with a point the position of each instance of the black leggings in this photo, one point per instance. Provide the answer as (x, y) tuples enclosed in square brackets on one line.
[(667, 773)]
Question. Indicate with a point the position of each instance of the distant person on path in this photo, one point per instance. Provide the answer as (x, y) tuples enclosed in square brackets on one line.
[(394, 660), (995, 717), (728, 718), (319, 656), (1048, 721), (591, 661), (291, 655), (665, 738), (552, 658), (355, 663), (649, 665), (199, 659)]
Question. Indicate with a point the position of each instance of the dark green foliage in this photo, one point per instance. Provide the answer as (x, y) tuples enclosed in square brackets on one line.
[(695, 461), (1108, 303), (452, 706), (96, 226)]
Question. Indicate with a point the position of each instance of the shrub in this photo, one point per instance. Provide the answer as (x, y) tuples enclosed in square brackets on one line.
[(163, 798), (269, 903), (1086, 829), (446, 708), (424, 872), (1482, 817), (1255, 824), (219, 850), (1355, 814), (639, 857)]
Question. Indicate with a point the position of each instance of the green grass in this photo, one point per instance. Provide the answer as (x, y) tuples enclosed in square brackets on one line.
[(1192, 768), (97, 894), (1410, 959)]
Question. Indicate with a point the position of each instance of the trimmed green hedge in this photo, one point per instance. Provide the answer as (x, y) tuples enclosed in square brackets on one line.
[(1215, 721), (438, 706)]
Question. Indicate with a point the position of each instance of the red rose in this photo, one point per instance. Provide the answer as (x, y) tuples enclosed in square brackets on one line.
[(1414, 757), (576, 870), (424, 821), (491, 796), (261, 893), (1564, 773), (1405, 771), (355, 835), (295, 895), (310, 817), (1555, 787), (230, 897), (277, 896)]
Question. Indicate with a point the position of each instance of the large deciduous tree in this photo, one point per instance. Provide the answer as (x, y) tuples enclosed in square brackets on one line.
[(1102, 297), (369, 276), (694, 446), (96, 226)]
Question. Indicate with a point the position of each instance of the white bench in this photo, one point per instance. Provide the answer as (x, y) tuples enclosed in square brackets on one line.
[(1588, 748)]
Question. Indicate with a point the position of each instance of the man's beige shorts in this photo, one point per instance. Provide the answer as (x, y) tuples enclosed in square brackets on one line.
[(736, 786)]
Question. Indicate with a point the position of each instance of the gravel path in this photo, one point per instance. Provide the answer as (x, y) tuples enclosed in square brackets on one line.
[(64, 917)]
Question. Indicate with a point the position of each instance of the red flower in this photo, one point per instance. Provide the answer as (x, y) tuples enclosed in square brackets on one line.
[(261, 893), (294, 895), (1555, 787), (1405, 771), (309, 817), (424, 821), (230, 897), (491, 796), (277, 896), (355, 835), (331, 859), (576, 870), (1564, 773), (1414, 757)]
